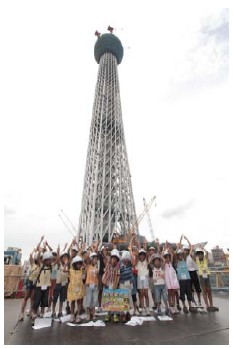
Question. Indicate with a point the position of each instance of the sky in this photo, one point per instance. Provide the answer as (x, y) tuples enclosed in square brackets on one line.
[(174, 89)]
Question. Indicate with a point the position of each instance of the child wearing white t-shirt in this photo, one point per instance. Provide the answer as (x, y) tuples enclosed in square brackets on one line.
[(159, 283)]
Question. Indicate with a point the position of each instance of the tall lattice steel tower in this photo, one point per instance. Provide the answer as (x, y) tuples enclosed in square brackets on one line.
[(107, 202)]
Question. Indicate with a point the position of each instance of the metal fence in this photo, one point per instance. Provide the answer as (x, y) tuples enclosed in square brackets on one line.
[(219, 280)]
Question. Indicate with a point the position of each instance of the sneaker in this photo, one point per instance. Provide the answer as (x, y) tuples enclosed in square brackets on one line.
[(167, 312), (202, 310), (178, 307), (139, 309), (159, 311), (99, 310), (185, 309), (143, 313), (172, 310), (107, 317), (193, 309), (115, 318), (212, 309), (147, 312), (136, 312), (154, 307), (59, 315)]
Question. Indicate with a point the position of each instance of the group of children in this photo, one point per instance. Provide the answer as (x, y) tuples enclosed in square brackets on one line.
[(78, 272)]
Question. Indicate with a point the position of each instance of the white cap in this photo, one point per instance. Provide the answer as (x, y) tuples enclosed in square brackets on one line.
[(142, 251), (186, 247), (155, 256), (152, 248), (126, 255), (115, 252), (47, 255), (74, 247), (64, 253), (166, 252), (93, 255), (180, 251), (198, 250), (77, 259)]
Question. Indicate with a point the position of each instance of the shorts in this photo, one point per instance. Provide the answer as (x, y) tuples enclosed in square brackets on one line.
[(41, 298), (205, 283), (143, 283), (185, 289), (100, 283), (160, 292), (195, 281), (92, 296), (60, 291), (29, 285)]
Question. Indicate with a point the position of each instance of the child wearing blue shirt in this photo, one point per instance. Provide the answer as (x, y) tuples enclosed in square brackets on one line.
[(184, 281)]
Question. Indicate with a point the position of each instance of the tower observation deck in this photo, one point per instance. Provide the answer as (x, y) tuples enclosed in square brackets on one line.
[(107, 203)]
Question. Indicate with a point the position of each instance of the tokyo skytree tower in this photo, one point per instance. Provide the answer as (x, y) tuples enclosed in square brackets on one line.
[(107, 202)]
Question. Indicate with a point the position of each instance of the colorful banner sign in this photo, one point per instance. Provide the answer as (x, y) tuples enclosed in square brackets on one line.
[(115, 300)]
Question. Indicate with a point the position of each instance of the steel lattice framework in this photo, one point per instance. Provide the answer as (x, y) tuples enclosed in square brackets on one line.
[(107, 202)]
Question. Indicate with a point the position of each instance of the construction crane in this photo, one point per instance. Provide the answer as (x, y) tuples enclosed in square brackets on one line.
[(65, 224), (149, 221), (135, 225)]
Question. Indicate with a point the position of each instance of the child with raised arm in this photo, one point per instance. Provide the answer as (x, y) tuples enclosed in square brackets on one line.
[(43, 283), (171, 280), (184, 282), (133, 249), (31, 280), (192, 267), (76, 287), (111, 278), (160, 291), (143, 281), (54, 265), (60, 290), (126, 280), (204, 275), (92, 286)]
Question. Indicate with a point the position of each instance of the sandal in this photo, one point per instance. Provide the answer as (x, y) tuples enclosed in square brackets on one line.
[(78, 320)]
